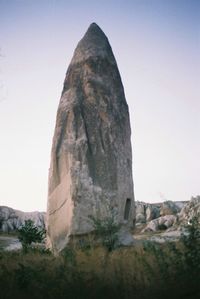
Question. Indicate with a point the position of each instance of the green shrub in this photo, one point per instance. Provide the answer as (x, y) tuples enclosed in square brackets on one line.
[(191, 241), (162, 271), (106, 231), (29, 233)]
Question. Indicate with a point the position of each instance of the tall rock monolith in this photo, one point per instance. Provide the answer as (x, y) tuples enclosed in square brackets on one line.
[(91, 158)]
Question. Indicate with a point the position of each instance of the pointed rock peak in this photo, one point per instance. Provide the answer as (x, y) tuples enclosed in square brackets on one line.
[(94, 25), (94, 43), (95, 30)]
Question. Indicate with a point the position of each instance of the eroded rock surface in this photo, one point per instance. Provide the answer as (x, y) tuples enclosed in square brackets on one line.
[(172, 217), (161, 223), (146, 212), (11, 219), (91, 160), (169, 208), (190, 210)]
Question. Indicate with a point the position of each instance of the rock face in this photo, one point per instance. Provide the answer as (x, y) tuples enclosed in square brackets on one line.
[(91, 159), (169, 208), (146, 212), (190, 210), (171, 216), (161, 223), (11, 219)]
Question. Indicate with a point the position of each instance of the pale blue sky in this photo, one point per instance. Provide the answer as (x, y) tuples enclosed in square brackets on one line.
[(156, 45)]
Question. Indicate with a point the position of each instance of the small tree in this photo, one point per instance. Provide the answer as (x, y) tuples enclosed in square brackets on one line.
[(29, 233), (106, 231)]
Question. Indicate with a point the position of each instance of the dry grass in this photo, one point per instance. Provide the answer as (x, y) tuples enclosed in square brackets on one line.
[(137, 272)]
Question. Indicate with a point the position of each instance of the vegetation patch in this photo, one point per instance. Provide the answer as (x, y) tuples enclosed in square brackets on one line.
[(148, 270)]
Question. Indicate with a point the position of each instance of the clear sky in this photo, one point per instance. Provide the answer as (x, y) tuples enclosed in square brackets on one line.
[(156, 44)]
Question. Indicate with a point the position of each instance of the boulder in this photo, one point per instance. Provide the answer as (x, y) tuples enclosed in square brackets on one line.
[(161, 223), (91, 159), (146, 212), (125, 238)]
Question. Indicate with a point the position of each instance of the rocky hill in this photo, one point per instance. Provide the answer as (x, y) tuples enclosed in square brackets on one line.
[(11, 219), (166, 216), (150, 217)]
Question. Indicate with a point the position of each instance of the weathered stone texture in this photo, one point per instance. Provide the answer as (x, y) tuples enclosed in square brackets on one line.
[(146, 212), (91, 160), (11, 220), (169, 216), (190, 211)]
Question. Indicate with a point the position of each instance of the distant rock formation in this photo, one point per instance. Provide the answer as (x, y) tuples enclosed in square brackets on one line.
[(146, 212), (170, 215), (169, 225), (11, 220), (91, 159), (160, 223)]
